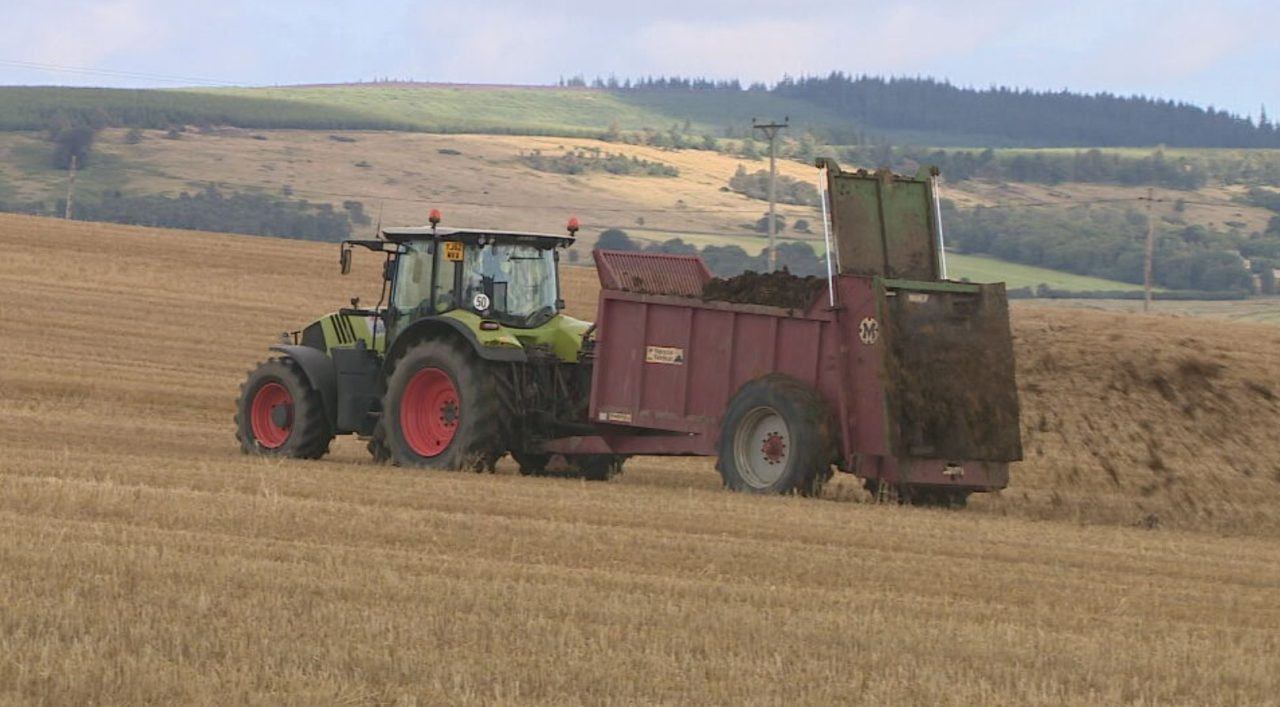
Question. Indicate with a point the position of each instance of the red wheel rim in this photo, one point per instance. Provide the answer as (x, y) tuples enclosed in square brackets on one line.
[(271, 415), (429, 412)]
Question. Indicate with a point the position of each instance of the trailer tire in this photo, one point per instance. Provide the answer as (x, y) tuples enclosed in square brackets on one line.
[(776, 439), (440, 411), (280, 414)]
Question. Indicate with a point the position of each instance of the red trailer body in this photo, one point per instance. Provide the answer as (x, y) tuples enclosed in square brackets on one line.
[(916, 375), (667, 365)]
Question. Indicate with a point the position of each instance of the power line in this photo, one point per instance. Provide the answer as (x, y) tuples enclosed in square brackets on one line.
[(770, 131), (60, 68)]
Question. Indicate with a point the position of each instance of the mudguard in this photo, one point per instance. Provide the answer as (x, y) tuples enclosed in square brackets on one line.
[(320, 373), (426, 324)]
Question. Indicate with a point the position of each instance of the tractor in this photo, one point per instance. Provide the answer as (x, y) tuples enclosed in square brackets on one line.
[(888, 370), (468, 356)]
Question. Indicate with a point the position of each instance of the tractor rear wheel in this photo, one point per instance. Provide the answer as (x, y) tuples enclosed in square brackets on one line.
[(441, 410), (279, 414), (775, 438)]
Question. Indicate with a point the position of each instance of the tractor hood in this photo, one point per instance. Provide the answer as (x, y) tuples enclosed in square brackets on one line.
[(343, 329)]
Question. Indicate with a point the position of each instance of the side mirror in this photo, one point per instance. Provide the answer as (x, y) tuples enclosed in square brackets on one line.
[(344, 260)]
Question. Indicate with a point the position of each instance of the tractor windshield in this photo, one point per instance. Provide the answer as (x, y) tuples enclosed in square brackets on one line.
[(512, 284)]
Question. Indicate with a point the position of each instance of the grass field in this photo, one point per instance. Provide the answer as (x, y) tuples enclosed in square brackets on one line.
[(553, 111), (984, 269), (143, 559), (1262, 310), (528, 110)]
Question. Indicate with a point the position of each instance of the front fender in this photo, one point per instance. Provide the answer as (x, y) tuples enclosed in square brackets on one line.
[(320, 373)]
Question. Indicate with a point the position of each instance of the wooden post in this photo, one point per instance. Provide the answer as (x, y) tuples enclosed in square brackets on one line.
[(71, 187), (1151, 250)]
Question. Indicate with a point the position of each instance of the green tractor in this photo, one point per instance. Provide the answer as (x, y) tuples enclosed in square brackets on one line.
[(467, 357)]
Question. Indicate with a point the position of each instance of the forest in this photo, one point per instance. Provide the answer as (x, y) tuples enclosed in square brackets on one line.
[(213, 210)]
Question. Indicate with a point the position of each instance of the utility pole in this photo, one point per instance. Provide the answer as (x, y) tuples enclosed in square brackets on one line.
[(1147, 266), (71, 187), (770, 131)]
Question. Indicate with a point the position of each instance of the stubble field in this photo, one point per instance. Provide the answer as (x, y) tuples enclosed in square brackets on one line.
[(143, 559)]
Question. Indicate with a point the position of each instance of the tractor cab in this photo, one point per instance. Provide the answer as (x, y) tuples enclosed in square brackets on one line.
[(499, 290), (505, 277)]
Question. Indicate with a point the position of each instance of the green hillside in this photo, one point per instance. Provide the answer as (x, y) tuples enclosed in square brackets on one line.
[(985, 269), (564, 112), (838, 109), (555, 111)]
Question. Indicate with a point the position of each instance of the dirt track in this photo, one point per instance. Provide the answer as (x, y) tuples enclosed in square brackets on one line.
[(143, 559)]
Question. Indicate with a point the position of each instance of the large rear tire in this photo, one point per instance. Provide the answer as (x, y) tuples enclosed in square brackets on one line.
[(441, 410), (776, 438), (279, 414)]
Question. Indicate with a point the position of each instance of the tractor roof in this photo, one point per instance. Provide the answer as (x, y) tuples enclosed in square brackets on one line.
[(413, 233)]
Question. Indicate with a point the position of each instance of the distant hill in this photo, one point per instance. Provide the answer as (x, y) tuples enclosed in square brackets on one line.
[(1050, 119), (836, 109)]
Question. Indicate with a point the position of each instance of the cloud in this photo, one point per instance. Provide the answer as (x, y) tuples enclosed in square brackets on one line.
[(1174, 47), (899, 38), (1208, 53), (87, 34)]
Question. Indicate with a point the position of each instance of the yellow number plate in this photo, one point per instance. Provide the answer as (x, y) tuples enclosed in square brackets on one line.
[(453, 251)]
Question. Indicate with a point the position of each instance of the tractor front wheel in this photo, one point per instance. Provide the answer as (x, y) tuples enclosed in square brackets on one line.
[(279, 414), (441, 410)]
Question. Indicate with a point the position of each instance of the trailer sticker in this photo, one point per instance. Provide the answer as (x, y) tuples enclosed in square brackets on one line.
[(615, 416), (869, 331), (917, 297), (453, 251), (664, 354)]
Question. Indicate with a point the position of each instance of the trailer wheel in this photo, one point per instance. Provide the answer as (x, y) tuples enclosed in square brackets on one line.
[(776, 438), (441, 410), (279, 414)]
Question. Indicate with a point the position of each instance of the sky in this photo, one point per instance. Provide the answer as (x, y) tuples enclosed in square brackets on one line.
[(1223, 53)]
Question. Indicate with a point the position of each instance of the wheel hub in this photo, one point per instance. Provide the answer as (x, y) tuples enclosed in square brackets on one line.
[(774, 448), (271, 415), (281, 416), (761, 447), (430, 412)]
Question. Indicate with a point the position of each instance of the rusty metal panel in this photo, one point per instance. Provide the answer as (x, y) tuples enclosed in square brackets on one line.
[(619, 352), (857, 225), (674, 364), (950, 373), (911, 251), (883, 225), (651, 273)]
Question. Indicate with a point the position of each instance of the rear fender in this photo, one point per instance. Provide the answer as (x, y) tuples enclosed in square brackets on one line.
[(429, 328), (320, 373)]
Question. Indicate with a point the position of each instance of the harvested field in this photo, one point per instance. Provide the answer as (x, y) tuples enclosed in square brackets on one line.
[(143, 559)]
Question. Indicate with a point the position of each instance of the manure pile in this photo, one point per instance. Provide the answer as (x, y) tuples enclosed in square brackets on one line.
[(1152, 420)]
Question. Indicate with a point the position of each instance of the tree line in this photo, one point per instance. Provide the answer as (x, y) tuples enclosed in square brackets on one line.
[(1102, 243), (1094, 166), (584, 160), (1024, 116), (212, 210)]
